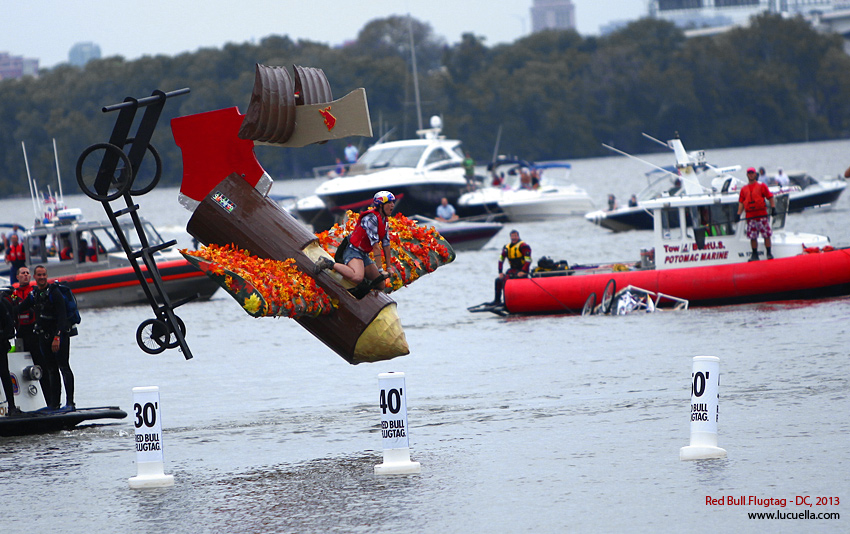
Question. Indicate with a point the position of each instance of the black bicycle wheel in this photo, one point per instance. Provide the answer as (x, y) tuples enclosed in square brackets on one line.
[(107, 177), (608, 296), (172, 337), (152, 336), (147, 175), (589, 305)]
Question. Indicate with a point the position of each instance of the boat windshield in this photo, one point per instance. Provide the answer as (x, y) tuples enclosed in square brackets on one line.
[(376, 158), (107, 236), (659, 182), (714, 219), (60, 243)]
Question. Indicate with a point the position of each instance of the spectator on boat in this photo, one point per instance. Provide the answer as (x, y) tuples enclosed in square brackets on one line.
[(782, 179), (518, 254), (632, 201), (351, 153), (677, 186), (15, 231), (66, 252), (339, 170), (54, 332), (15, 257), (445, 211), (763, 177), (82, 247), (499, 179), (612, 203), (524, 179), (95, 249), (535, 179), (7, 331), (469, 171), (372, 229), (751, 201)]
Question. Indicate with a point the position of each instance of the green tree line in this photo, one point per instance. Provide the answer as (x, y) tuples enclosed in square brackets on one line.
[(552, 95)]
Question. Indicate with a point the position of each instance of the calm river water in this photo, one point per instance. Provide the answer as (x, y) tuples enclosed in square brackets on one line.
[(529, 424)]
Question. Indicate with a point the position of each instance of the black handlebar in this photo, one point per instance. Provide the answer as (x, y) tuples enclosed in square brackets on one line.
[(146, 101)]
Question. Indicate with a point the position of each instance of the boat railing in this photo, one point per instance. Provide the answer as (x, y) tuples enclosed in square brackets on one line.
[(580, 269), (331, 171)]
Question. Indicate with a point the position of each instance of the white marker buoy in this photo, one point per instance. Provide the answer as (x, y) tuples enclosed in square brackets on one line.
[(705, 410), (394, 429), (149, 459)]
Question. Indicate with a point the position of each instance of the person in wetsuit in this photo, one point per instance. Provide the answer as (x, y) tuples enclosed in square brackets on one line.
[(25, 322), (518, 254), (54, 331), (7, 330)]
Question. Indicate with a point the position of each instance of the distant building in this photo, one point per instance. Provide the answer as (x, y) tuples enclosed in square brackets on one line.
[(12, 67), (613, 26), (82, 53), (553, 15), (702, 13)]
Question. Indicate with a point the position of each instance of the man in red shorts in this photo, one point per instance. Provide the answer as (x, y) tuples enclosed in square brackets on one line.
[(752, 201)]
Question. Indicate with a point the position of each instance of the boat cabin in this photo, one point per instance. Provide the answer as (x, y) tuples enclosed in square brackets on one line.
[(701, 230), (70, 245)]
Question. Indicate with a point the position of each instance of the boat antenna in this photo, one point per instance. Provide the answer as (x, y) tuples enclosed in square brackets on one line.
[(415, 74), (30, 181), (58, 174), (496, 146), (618, 151), (659, 141)]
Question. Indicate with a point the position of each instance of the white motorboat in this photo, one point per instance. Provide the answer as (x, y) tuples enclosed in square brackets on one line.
[(419, 172), (518, 199), (463, 234), (804, 192)]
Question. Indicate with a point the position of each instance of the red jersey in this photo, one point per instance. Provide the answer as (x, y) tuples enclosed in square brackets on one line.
[(360, 239)]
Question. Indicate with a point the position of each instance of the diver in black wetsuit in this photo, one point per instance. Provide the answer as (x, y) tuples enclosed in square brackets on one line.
[(7, 329)]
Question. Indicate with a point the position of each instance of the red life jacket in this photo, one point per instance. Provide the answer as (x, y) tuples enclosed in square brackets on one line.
[(27, 317), (360, 239), (15, 253), (753, 197)]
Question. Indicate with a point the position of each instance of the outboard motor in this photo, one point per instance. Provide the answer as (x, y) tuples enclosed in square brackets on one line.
[(25, 382)]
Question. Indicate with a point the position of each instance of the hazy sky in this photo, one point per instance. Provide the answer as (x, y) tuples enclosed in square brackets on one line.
[(47, 29)]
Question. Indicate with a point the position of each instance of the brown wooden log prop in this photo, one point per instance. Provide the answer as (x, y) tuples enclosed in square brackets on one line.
[(235, 213)]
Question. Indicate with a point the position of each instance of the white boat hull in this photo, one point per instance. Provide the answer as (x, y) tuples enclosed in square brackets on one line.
[(541, 205)]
